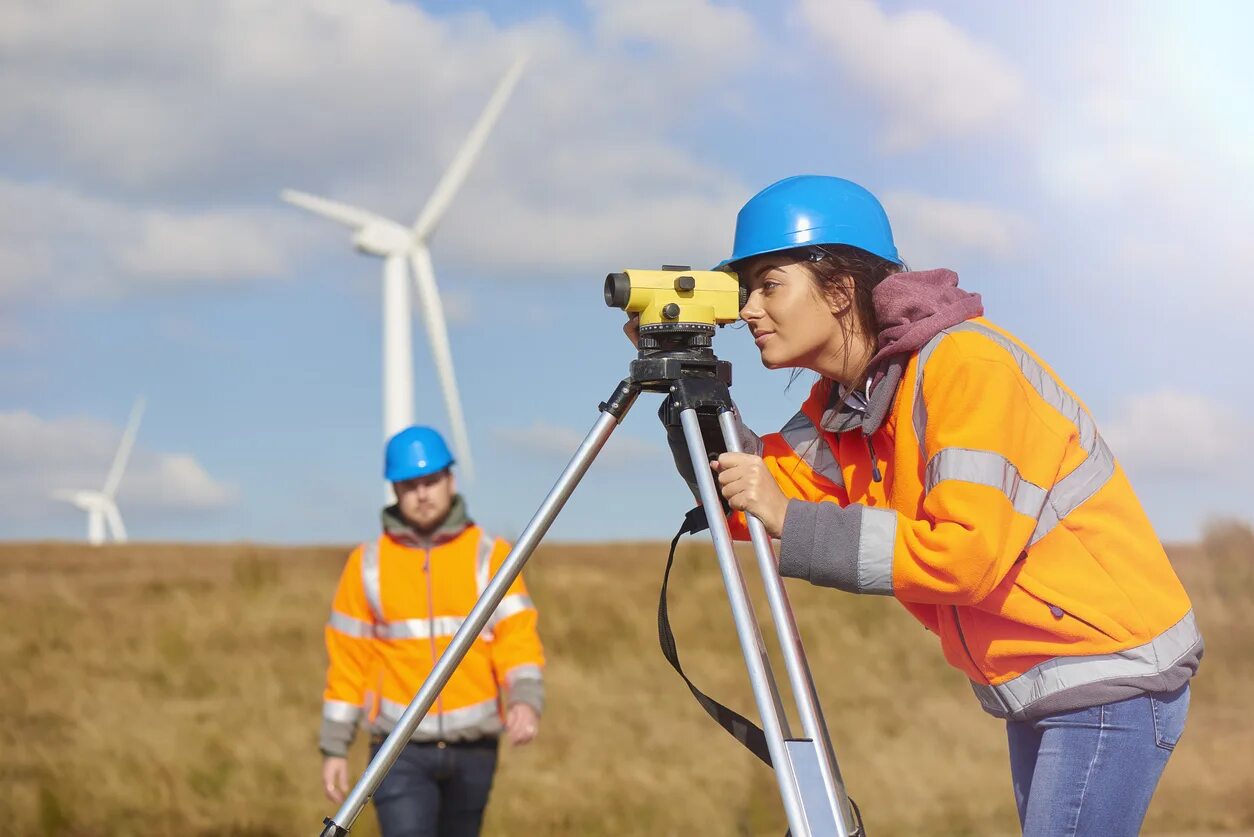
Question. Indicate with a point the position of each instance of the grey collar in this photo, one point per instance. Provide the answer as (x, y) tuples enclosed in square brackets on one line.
[(864, 408)]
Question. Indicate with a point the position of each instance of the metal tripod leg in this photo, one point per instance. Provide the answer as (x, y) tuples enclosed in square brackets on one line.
[(612, 413), (765, 693), (815, 752)]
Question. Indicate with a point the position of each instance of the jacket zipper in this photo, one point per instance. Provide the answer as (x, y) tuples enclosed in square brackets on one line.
[(439, 701), (963, 639)]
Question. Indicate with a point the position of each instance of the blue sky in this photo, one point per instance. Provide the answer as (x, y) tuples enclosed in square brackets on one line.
[(1088, 169)]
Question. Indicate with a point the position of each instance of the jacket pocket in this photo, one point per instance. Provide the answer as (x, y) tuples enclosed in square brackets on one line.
[(1071, 616)]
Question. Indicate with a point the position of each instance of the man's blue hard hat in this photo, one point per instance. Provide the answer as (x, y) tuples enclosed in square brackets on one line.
[(809, 210), (415, 452)]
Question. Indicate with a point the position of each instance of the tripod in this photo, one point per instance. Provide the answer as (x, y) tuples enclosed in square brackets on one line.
[(810, 785)]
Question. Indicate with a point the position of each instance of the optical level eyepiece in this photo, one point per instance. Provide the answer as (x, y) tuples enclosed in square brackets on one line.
[(617, 290)]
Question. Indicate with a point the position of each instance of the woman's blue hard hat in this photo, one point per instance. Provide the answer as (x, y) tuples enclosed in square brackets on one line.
[(811, 210)]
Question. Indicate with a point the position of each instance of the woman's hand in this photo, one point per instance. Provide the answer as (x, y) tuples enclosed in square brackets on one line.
[(748, 486)]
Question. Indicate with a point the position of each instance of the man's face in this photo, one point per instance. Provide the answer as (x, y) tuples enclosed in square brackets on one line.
[(425, 501)]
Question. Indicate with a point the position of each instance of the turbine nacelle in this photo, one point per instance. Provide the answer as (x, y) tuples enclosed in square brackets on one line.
[(86, 500), (103, 518), (383, 238)]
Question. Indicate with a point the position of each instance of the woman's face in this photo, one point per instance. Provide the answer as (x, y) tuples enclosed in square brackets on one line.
[(792, 322)]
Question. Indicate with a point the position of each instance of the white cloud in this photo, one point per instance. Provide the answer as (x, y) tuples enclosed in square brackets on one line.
[(156, 111), (1147, 158), (38, 456), (61, 242), (937, 232), (931, 79), (1171, 433), (557, 442)]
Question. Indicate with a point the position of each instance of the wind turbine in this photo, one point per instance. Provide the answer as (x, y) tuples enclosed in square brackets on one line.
[(101, 506), (378, 236)]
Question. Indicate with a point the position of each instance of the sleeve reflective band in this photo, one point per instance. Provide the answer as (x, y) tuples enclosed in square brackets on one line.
[(526, 671), (877, 538), (349, 626), (341, 711), (983, 467), (511, 606)]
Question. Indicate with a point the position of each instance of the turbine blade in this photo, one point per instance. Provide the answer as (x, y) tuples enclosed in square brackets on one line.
[(124, 449), (456, 173), (350, 216), (114, 518), (437, 333)]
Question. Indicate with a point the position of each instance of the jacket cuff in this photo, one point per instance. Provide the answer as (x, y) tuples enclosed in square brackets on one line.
[(848, 548), (336, 737), (529, 691)]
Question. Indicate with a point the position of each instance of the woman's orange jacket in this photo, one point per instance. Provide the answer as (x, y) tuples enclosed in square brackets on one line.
[(999, 518)]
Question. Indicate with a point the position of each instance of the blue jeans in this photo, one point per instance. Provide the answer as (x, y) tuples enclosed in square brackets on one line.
[(435, 791), (1092, 771)]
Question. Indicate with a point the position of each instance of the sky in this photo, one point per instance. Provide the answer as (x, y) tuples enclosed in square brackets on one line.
[(1087, 168)]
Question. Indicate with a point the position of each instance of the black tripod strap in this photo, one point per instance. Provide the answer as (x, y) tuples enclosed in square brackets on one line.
[(737, 725), (741, 728)]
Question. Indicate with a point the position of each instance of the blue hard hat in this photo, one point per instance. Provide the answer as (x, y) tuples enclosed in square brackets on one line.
[(810, 210), (415, 452)]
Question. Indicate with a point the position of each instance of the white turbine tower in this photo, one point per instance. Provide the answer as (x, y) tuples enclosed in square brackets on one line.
[(101, 506), (397, 244)]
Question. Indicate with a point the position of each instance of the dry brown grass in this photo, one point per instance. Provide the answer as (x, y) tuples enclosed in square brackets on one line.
[(174, 690)]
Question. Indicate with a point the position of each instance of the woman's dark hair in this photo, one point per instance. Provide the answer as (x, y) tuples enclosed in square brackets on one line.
[(848, 276), (836, 267)]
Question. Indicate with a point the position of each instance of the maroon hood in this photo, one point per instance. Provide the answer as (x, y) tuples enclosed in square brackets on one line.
[(914, 307)]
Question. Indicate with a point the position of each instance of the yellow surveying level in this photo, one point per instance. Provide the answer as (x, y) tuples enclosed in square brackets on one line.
[(676, 295)]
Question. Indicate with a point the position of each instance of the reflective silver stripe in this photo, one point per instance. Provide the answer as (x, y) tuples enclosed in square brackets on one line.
[(341, 711), (1015, 697), (483, 563), (526, 671), (511, 606), (350, 626), (437, 723), (984, 467), (810, 446), (877, 537), (370, 578), (441, 626), (1076, 488), (920, 408)]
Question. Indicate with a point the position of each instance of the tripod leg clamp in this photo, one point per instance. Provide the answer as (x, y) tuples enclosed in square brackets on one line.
[(332, 829), (708, 396)]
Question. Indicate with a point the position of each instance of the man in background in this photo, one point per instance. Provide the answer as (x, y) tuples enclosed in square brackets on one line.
[(400, 599)]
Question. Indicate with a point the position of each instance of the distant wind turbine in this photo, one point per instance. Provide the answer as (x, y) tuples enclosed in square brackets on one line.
[(101, 506), (397, 244)]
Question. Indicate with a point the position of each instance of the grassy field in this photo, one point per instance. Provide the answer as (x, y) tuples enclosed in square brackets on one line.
[(175, 690)]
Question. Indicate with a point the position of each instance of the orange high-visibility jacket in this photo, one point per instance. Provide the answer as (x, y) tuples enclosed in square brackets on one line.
[(397, 607), (1001, 520)]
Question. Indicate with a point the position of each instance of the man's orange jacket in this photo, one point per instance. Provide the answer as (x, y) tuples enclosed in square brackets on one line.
[(400, 600)]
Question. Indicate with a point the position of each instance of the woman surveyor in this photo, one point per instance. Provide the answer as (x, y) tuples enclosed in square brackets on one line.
[(939, 461)]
